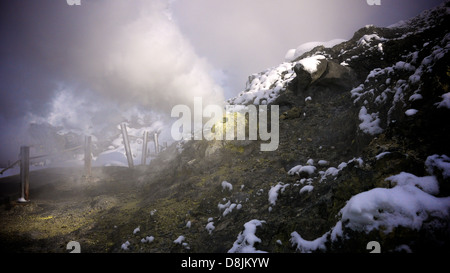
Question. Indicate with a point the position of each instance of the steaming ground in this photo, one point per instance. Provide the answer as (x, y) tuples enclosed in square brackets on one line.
[(65, 207)]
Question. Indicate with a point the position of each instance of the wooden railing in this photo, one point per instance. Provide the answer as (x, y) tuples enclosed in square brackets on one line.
[(24, 158)]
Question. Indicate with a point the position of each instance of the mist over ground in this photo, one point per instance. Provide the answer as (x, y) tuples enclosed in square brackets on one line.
[(89, 67)]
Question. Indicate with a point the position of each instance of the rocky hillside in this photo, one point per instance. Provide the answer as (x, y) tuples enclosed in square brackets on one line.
[(364, 155)]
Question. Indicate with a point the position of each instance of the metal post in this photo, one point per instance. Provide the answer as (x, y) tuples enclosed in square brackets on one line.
[(126, 143), (24, 174), (87, 156), (156, 143), (144, 148)]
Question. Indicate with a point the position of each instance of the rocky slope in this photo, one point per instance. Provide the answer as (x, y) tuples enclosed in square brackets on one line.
[(369, 118), (363, 156)]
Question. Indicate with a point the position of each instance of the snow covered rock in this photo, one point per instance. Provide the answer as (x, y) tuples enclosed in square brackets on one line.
[(310, 69), (246, 240)]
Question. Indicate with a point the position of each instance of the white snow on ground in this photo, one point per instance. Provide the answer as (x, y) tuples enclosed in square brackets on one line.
[(366, 39), (228, 207), (307, 188), (415, 97), (438, 164), (410, 203), (264, 87), (273, 192), (381, 155), (332, 171), (136, 230), (147, 239), (411, 112), (428, 184), (370, 122), (227, 185), (293, 54), (394, 91), (246, 239), (404, 205), (445, 101), (310, 64), (224, 206), (210, 227), (302, 169), (306, 246), (323, 162), (179, 240), (125, 245), (310, 169)]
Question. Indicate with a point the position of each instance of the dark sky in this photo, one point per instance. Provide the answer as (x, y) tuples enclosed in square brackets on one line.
[(84, 66)]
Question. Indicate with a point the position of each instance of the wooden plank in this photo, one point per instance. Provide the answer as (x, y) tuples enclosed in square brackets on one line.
[(24, 174), (155, 136), (144, 148), (126, 143)]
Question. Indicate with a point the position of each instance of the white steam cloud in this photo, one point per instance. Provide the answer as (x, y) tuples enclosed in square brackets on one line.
[(106, 61), (146, 60)]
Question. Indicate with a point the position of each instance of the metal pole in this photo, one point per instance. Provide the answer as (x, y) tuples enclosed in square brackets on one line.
[(126, 143), (144, 148), (87, 156), (24, 174), (156, 143)]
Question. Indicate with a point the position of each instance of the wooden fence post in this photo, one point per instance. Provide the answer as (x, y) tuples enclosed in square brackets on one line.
[(126, 143), (156, 143), (87, 156), (144, 148), (24, 174)]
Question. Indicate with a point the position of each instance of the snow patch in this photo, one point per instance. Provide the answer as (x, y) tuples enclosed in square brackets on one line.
[(370, 122), (302, 169), (445, 101), (179, 240), (307, 188), (246, 239), (381, 155), (404, 205), (306, 246), (293, 54), (366, 39), (411, 112), (323, 162), (147, 239), (227, 185), (228, 207), (439, 163), (310, 64), (210, 227), (409, 203), (273, 192), (125, 245)]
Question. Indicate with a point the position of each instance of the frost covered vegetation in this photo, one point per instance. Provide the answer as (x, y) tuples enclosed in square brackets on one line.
[(363, 156)]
